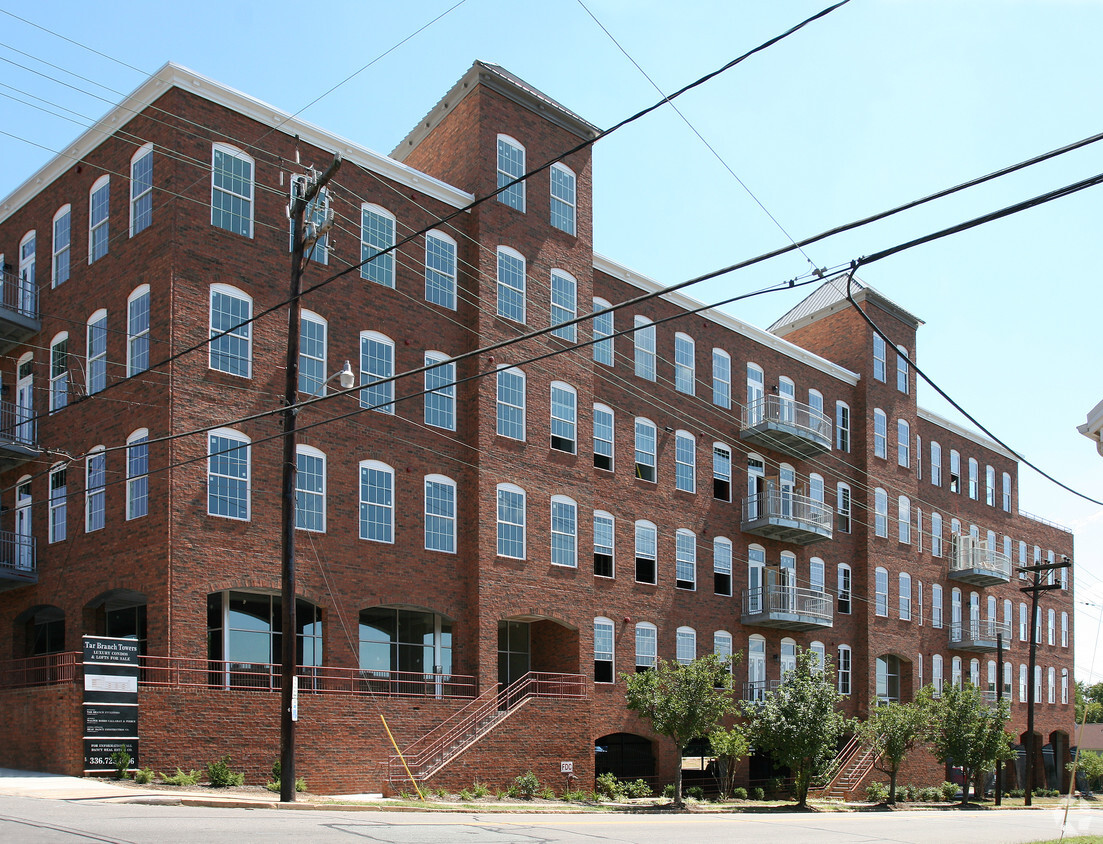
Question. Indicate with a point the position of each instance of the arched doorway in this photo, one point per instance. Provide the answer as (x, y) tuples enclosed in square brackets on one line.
[(120, 614), (625, 755), (533, 643)]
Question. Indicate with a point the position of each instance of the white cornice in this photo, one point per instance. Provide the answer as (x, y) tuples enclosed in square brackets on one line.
[(174, 75), (954, 428), (618, 271)]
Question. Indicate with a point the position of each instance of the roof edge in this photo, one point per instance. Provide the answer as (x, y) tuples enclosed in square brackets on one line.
[(954, 428)]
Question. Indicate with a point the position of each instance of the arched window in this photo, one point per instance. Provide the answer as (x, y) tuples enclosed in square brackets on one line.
[(511, 521), (756, 579), (936, 464), (905, 582), (137, 474), (882, 591), (904, 520), (685, 560), (377, 363), (756, 391), (96, 352), (756, 668), (99, 212), (721, 472), (511, 284), (646, 444), (137, 330), (603, 437), (377, 233), (95, 492), (974, 478), (231, 189), (564, 531), (880, 512), (310, 489), (880, 433), (788, 657), (722, 646), (604, 531), (936, 674), (440, 269), (228, 474), (844, 587), (63, 241), (843, 669), (685, 363), (511, 403), (511, 166), (377, 493), (721, 378), (141, 189), (903, 442), (231, 346), (564, 417), (644, 340), (879, 358), (901, 369), (722, 566), (59, 371), (646, 646), (440, 396), (646, 551), (686, 645), (563, 201), (685, 461), (564, 303), (603, 651), (602, 328), (936, 605)]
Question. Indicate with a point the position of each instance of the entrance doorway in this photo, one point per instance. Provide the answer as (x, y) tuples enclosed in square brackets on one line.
[(514, 651)]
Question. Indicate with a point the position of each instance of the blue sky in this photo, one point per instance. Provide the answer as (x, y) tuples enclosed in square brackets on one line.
[(881, 102)]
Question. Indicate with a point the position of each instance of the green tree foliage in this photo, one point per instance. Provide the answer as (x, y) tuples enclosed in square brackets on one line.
[(728, 746), (893, 729), (800, 723), (968, 732), (682, 701), (1090, 764), (1089, 702)]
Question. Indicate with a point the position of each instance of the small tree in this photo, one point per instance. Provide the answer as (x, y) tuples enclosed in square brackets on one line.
[(967, 732), (893, 729), (800, 723), (682, 701), (728, 746), (1090, 765)]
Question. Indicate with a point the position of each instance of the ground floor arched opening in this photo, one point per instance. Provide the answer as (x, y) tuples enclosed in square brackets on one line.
[(625, 755)]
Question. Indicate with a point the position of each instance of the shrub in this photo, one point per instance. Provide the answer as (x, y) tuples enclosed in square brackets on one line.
[(526, 786), (121, 760), (930, 794), (668, 790), (739, 793), (639, 788), (440, 792), (1016, 792), (300, 785), (758, 794), (696, 792), (220, 775), (608, 786), (180, 778), (466, 796), (576, 796), (546, 793), (911, 792), (144, 776), (876, 792), (480, 789), (949, 791)]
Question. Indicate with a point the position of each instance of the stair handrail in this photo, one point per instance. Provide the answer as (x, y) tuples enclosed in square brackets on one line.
[(842, 759)]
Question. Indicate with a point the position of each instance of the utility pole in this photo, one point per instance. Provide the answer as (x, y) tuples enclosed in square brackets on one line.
[(301, 243), (1034, 589), (999, 700)]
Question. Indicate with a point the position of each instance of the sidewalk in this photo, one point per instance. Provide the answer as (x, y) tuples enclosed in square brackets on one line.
[(15, 783)]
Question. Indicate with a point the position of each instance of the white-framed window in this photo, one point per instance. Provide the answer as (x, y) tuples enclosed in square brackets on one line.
[(511, 284), (603, 651), (603, 328), (816, 575), (564, 417), (685, 560), (903, 442), (880, 512), (974, 479), (879, 359), (756, 386), (1024, 623), (722, 566), (644, 339), (1064, 685), (440, 514), (511, 165), (310, 489), (231, 190), (646, 646), (721, 378), (936, 534), (28, 286), (99, 212), (440, 269), (1050, 683), (844, 585), (646, 444), (843, 507), (604, 532), (96, 352), (603, 437), (228, 474), (843, 669), (1037, 684), (377, 233), (786, 398), (313, 353), (1006, 500), (918, 457), (511, 521), (955, 672), (315, 216), (511, 404), (376, 364), (918, 528), (905, 607), (63, 241), (377, 494), (1051, 627), (95, 490), (141, 189), (880, 433), (955, 471), (646, 552), (722, 646), (59, 371), (685, 363), (137, 330), (904, 519), (842, 426), (1064, 629), (881, 579), (685, 461), (563, 198), (936, 605), (990, 486), (936, 674), (901, 369), (1022, 683), (721, 472), (819, 655), (440, 398), (59, 504), (564, 303), (137, 474), (686, 645), (564, 531), (231, 346)]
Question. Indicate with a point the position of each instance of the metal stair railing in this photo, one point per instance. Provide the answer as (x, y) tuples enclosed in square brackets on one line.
[(851, 766)]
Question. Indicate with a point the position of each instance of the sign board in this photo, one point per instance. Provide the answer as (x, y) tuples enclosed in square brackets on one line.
[(97, 754), (107, 721), (110, 701), (566, 767)]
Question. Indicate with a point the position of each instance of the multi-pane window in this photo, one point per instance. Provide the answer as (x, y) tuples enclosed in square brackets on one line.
[(842, 426), (974, 478), (95, 492), (440, 270), (440, 395), (58, 504), (1051, 627), (881, 580), (901, 369), (721, 472), (376, 365), (511, 404), (842, 506), (904, 519), (880, 512), (511, 284), (955, 471), (59, 371), (684, 363), (1007, 492), (228, 474), (28, 287), (936, 605), (646, 552), (880, 433), (844, 585), (843, 669), (936, 534), (376, 501), (99, 201), (232, 190), (685, 461), (905, 583), (96, 350), (564, 531), (1064, 629), (312, 354), (685, 647), (721, 378), (990, 486), (603, 437), (511, 166), (564, 303), (137, 474), (141, 189), (310, 489), (602, 328), (903, 442), (936, 464), (377, 233), (63, 240), (722, 566), (564, 415), (879, 365), (756, 406), (722, 646), (685, 560), (603, 651), (603, 544), (440, 514), (644, 338), (646, 646), (137, 331), (563, 200), (646, 435), (511, 521), (231, 331)]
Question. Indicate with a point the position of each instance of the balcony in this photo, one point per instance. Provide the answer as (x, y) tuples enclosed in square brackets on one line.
[(17, 560), (18, 443), (972, 561), (754, 691), (787, 608), (978, 636), (18, 310), (786, 425), (787, 517)]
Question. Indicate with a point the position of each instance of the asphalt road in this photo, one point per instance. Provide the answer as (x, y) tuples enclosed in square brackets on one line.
[(32, 820)]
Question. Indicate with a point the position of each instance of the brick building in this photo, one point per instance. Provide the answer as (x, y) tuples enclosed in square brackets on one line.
[(742, 490)]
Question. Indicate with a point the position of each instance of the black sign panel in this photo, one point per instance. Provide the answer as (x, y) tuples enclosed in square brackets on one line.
[(111, 722), (110, 701), (110, 684), (98, 753), (112, 651)]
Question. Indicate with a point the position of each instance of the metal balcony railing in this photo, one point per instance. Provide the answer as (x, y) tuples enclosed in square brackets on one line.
[(17, 557), (787, 516), (786, 424), (979, 634), (755, 690), (794, 604), (17, 425), (19, 295), (974, 562)]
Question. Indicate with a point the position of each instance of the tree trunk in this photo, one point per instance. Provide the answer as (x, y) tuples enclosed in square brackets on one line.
[(678, 802), (892, 786), (802, 781), (965, 778)]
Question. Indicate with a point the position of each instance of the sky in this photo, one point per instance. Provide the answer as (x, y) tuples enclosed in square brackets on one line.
[(881, 102)]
